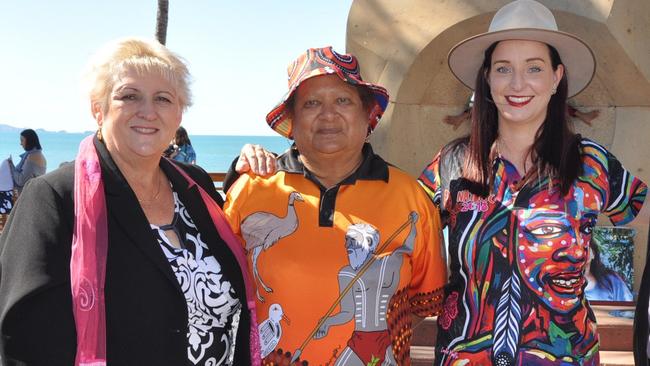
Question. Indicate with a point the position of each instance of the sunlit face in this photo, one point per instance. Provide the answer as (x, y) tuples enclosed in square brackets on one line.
[(329, 118), (142, 116), (522, 80), (552, 249)]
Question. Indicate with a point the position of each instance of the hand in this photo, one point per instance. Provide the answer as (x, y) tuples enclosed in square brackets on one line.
[(414, 217), (256, 159), (322, 331)]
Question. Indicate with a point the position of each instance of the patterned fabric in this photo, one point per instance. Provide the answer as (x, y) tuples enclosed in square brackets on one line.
[(324, 61), (213, 307), (362, 256), (6, 202), (517, 257)]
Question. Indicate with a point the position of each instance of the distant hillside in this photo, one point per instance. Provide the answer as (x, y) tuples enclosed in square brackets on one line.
[(12, 129), (7, 128)]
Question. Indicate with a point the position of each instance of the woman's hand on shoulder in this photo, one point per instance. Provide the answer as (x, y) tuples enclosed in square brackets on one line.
[(255, 159)]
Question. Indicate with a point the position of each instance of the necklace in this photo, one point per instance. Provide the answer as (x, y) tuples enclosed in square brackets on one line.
[(152, 199)]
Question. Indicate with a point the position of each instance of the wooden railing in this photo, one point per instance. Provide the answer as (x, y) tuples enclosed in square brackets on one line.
[(218, 178), (3, 220)]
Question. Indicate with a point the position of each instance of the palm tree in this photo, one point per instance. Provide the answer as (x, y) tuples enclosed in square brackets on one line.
[(161, 21)]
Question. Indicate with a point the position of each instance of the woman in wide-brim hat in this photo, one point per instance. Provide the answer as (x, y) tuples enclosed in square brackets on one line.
[(319, 232), (521, 194)]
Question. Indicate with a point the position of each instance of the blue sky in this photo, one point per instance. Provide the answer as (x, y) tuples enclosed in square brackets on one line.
[(237, 52)]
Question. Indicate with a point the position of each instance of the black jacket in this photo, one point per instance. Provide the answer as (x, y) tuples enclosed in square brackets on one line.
[(146, 312), (641, 316)]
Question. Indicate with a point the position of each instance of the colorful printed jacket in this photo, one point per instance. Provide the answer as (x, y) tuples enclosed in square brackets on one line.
[(339, 271), (517, 256)]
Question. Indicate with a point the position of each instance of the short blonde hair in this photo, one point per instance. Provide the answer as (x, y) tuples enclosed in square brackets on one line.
[(144, 56)]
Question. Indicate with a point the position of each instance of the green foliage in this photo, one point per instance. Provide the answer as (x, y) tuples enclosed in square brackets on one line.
[(616, 246)]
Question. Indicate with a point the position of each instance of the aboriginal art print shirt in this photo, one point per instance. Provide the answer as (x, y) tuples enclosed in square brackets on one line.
[(339, 271), (517, 257)]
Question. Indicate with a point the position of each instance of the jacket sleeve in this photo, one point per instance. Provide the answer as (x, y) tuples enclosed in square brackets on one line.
[(621, 193), (36, 321)]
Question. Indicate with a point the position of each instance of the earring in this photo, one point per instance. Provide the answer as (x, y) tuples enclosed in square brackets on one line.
[(99, 135), (553, 91)]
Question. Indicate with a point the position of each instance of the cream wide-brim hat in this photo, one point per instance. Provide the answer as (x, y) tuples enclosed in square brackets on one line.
[(531, 21)]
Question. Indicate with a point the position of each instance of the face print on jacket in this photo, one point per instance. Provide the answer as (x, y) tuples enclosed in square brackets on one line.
[(552, 247)]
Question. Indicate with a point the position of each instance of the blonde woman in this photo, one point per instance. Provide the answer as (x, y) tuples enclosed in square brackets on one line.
[(123, 257)]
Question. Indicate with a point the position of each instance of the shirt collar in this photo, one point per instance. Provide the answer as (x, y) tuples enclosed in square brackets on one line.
[(372, 167)]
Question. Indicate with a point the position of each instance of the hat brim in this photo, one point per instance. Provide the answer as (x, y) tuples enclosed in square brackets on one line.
[(281, 122), (465, 59)]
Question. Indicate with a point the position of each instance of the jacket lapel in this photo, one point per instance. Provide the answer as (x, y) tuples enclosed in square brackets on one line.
[(124, 210), (191, 198)]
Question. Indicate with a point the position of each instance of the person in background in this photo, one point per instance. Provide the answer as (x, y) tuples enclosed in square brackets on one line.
[(520, 196), (124, 257), (32, 162), (182, 148), (342, 244), (602, 283)]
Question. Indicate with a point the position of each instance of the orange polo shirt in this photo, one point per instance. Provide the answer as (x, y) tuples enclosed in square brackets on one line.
[(295, 234)]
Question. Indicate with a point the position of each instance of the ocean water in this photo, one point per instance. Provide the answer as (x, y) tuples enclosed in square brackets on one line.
[(213, 153)]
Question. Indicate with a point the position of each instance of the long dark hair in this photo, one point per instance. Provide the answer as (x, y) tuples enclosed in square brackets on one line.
[(181, 137), (31, 139), (555, 151)]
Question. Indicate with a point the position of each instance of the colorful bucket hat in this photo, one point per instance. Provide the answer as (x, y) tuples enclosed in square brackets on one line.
[(324, 61)]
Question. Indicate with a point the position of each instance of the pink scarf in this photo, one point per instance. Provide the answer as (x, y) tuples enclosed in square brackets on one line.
[(88, 260)]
